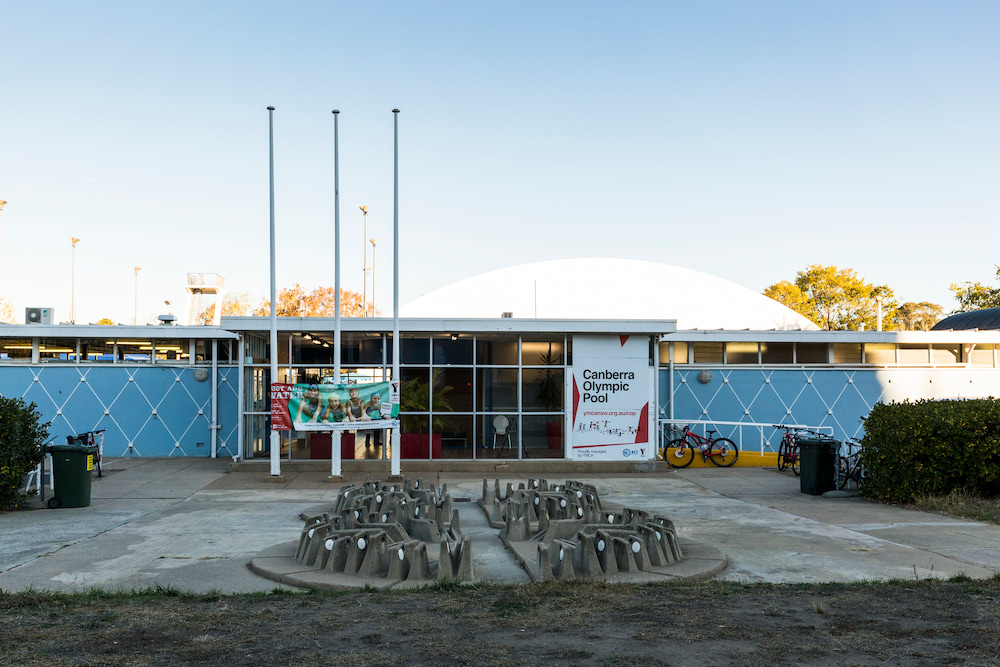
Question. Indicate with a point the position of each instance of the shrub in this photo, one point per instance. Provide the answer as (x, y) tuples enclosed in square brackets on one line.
[(932, 448), (21, 440)]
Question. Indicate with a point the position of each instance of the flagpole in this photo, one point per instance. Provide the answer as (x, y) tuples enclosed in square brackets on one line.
[(275, 441), (395, 469), (336, 465)]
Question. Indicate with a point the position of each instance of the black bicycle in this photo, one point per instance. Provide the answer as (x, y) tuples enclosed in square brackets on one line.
[(851, 467)]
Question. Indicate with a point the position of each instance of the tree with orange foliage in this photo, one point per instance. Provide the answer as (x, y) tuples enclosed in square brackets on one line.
[(321, 302), (234, 304)]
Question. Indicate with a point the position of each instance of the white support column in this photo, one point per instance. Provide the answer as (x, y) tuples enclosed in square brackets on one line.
[(394, 466)]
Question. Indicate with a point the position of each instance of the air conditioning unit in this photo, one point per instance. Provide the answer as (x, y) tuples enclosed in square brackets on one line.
[(38, 316)]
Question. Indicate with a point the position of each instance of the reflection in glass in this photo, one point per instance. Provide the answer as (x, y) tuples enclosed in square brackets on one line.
[(542, 390), (496, 389), (496, 350), (450, 350)]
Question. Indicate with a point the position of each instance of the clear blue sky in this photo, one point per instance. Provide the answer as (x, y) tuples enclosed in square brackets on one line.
[(743, 139)]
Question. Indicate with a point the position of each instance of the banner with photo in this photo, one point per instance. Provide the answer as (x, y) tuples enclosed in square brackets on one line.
[(335, 407)]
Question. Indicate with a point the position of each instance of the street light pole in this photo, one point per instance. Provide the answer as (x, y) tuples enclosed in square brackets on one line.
[(135, 316), (72, 310), (2, 204), (274, 438), (373, 277)]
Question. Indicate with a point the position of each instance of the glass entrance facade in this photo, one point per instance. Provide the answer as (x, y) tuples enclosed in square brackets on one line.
[(453, 389)]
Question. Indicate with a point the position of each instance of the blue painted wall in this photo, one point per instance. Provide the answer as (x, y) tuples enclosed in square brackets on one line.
[(147, 410), (837, 398)]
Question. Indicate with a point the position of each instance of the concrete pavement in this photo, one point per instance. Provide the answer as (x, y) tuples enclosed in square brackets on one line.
[(192, 524)]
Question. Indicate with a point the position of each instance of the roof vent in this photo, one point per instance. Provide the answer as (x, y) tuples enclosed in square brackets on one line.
[(166, 320), (507, 314)]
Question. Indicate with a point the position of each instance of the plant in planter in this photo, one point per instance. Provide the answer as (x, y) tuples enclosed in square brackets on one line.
[(416, 396)]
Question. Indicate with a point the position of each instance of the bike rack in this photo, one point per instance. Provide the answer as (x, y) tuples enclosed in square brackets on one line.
[(736, 434)]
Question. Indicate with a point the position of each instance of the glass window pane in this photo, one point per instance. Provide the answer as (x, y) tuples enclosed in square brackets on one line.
[(776, 353), (455, 433), (537, 351), (452, 390), (361, 349), (811, 353), (946, 354), (496, 389), (16, 349), (542, 390), (496, 350), (910, 353), (982, 355), (414, 390), (542, 437), (414, 350), (680, 353), (57, 349), (490, 444), (312, 349), (171, 349), (456, 349), (880, 353), (847, 353), (708, 353), (135, 350), (741, 353)]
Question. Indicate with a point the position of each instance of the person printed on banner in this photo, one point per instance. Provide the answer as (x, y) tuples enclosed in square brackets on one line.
[(355, 406), (310, 405), (335, 410), (374, 411)]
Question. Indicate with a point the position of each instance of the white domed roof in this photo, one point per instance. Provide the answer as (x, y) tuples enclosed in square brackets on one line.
[(609, 289)]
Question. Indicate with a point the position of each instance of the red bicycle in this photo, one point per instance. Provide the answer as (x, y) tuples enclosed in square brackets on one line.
[(788, 451), (720, 451)]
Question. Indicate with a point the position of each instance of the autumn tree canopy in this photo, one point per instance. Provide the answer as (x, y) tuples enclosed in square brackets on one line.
[(321, 302), (918, 316), (835, 299)]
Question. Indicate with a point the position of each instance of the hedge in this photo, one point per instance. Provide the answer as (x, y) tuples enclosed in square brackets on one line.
[(21, 438), (932, 448)]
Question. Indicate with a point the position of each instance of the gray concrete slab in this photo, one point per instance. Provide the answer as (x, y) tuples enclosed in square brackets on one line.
[(191, 524)]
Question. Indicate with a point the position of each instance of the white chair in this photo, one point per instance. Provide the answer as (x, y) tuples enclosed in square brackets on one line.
[(503, 428)]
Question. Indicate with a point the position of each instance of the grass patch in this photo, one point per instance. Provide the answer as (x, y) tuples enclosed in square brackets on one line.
[(961, 504)]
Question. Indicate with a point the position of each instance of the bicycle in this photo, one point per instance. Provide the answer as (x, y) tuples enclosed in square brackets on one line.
[(720, 451), (93, 439), (851, 467), (788, 451)]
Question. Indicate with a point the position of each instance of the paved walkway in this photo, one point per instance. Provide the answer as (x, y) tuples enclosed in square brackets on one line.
[(191, 524)]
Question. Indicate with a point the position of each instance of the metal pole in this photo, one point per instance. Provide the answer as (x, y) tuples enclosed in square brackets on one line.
[(275, 439), (373, 277), (364, 249), (2, 204), (72, 314), (335, 453), (135, 315), (395, 278)]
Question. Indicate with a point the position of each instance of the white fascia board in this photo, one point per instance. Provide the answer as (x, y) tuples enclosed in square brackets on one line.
[(113, 331), (454, 325), (917, 337)]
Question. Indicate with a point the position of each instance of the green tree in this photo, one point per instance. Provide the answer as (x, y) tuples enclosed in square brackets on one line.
[(975, 296), (21, 438), (918, 316), (835, 299)]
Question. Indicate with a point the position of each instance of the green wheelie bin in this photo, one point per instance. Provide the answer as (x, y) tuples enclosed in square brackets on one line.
[(71, 468), (817, 464)]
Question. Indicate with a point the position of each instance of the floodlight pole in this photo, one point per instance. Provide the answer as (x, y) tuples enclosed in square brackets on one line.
[(336, 466), (275, 438), (394, 465)]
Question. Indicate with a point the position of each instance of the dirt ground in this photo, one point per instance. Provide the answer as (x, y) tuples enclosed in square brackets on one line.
[(923, 622)]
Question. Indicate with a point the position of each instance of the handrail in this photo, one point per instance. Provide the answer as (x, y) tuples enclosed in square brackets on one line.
[(669, 423)]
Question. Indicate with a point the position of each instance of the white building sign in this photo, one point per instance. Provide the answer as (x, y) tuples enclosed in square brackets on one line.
[(612, 390)]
